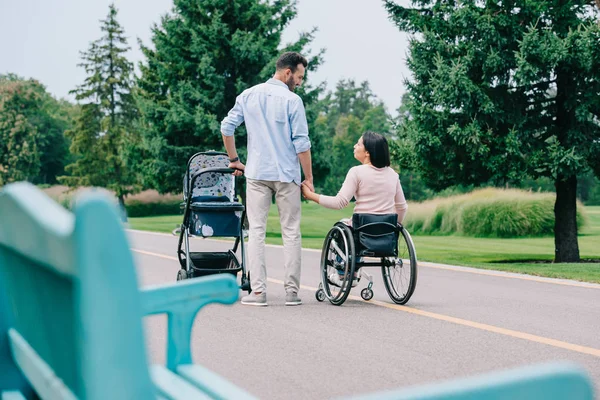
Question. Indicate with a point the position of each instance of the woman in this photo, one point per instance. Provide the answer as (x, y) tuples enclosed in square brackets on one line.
[(375, 186)]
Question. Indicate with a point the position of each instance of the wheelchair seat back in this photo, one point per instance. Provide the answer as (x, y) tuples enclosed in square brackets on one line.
[(375, 235)]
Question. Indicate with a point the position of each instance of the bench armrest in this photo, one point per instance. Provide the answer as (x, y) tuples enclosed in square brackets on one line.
[(181, 302)]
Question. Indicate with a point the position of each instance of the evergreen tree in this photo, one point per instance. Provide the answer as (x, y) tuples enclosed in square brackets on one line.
[(105, 126), (502, 90), (205, 53)]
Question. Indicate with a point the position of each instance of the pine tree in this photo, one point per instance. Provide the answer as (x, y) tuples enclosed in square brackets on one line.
[(503, 90), (105, 127), (205, 53)]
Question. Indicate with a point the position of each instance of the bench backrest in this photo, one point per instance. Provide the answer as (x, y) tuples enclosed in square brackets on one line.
[(71, 293)]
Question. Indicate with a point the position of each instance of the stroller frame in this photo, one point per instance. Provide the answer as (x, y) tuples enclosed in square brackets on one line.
[(196, 264)]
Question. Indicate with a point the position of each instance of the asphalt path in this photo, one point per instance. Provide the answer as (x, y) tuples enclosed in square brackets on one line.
[(459, 322)]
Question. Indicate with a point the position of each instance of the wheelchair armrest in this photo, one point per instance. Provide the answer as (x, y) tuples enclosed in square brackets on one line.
[(181, 302)]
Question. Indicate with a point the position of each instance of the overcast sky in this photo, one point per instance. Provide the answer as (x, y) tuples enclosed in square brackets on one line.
[(42, 39)]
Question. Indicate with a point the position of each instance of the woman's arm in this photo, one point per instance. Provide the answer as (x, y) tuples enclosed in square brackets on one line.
[(400, 202), (343, 197)]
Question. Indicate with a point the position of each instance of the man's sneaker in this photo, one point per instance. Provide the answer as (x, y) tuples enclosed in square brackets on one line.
[(255, 299), (292, 299)]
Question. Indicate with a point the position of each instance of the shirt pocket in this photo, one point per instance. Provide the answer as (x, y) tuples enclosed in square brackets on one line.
[(279, 108)]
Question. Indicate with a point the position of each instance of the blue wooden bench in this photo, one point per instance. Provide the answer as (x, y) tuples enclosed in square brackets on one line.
[(71, 311)]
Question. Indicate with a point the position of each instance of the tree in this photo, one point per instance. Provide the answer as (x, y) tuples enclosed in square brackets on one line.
[(32, 142), (105, 126), (205, 53), (504, 90), (345, 115), (19, 155)]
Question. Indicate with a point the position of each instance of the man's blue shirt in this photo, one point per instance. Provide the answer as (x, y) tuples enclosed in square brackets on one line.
[(277, 130)]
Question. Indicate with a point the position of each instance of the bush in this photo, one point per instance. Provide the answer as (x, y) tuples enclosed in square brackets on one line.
[(487, 213), (138, 208)]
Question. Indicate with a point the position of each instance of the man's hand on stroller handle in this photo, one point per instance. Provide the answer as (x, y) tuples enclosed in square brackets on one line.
[(238, 167)]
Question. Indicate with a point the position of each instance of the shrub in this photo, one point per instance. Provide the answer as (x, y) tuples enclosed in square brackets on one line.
[(487, 213), (138, 208)]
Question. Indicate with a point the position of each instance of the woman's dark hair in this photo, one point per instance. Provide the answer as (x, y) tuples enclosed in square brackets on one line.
[(378, 149), (291, 60)]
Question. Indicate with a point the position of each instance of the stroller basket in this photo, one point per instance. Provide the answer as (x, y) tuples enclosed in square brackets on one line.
[(214, 263)]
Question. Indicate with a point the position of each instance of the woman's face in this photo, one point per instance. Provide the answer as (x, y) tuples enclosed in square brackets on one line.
[(359, 151)]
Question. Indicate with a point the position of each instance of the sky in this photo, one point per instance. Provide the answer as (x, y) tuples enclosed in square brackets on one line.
[(42, 39)]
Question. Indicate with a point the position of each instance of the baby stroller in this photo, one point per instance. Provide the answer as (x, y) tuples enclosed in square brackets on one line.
[(211, 210)]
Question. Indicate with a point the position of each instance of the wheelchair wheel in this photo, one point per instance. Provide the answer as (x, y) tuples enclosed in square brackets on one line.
[(320, 295), (400, 278), (337, 264), (366, 294)]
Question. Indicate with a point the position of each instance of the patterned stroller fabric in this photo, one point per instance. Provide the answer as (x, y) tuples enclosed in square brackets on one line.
[(210, 187), (214, 210)]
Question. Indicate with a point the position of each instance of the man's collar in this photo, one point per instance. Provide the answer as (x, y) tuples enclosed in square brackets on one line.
[(274, 81)]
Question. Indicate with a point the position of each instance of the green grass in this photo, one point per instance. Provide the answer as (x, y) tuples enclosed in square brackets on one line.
[(449, 249)]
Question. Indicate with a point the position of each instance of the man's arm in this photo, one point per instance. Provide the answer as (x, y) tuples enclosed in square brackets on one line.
[(234, 118), (306, 164), (300, 140), (229, 142)]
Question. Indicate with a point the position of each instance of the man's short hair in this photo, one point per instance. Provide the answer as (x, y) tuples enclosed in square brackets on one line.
[(290, 60)]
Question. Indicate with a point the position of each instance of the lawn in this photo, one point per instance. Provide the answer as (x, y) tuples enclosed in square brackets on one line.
[(456, 250)]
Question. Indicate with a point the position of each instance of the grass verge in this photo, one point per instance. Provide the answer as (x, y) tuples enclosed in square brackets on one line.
[(449, 249)]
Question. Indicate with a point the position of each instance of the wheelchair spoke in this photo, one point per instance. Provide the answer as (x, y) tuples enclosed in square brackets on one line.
[(339, 251), (400, 279), (337, 264)]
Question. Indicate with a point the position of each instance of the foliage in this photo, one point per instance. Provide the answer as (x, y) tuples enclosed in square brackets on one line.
[(487, 213), (105, 128), (32, 123), (346, 114), (504, 90), (205, 53)]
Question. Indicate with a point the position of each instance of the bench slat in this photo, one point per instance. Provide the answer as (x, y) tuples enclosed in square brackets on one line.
[(555, 381), (173, 387), (212, 383), (40, 375), (12, 396)]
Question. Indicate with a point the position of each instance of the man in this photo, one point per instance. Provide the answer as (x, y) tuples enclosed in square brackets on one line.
[(277, 143)]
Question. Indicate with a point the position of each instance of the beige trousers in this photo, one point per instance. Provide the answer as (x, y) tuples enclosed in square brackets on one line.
[(258, 201)]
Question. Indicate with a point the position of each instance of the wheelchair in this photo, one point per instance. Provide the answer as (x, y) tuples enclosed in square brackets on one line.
[(346, 253)]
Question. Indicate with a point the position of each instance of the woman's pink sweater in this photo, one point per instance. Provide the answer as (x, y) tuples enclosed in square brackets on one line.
[(377, 191)]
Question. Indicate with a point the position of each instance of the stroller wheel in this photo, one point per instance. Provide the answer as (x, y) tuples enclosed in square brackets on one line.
[(246, 283), (181, 274)]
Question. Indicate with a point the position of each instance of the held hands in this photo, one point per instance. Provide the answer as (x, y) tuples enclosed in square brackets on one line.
[(238, 167), (308, 191)]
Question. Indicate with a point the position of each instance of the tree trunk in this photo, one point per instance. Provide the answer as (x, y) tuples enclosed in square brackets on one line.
[(122, 207), (566, 247)]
